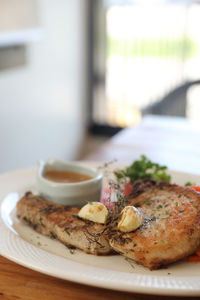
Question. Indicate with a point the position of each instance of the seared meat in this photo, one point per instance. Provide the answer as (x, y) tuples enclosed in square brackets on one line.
[(171, 230), (63, 223)]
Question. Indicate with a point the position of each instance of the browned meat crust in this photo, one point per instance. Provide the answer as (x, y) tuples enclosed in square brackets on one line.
[(62, 222), (171, 230)]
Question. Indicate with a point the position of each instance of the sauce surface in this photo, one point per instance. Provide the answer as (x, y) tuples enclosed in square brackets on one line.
[(65, 176)]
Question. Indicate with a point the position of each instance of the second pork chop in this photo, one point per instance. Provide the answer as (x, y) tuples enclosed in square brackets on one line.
[(171, 227)]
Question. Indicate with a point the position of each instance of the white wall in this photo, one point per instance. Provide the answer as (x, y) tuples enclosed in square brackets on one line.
[(42, 103)]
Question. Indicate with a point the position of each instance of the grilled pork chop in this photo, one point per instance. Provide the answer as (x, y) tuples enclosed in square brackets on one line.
[(63, 223), (171, 228)]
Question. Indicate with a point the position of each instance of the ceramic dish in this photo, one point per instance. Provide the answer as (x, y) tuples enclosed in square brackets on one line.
[(21, 244), (71, 194)]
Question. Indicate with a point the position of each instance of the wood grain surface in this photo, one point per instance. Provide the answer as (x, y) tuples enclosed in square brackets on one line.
[(18, 282)]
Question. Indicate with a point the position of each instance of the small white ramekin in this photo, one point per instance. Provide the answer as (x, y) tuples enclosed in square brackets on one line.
[(70, 194)]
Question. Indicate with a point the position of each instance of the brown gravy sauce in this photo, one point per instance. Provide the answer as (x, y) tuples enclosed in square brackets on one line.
[(65, 176)]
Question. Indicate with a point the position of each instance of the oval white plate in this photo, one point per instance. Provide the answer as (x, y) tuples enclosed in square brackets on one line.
[(21, 244)]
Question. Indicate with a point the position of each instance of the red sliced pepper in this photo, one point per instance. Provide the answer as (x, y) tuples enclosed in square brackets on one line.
[(195, 187), (128, 189), (194, 258)]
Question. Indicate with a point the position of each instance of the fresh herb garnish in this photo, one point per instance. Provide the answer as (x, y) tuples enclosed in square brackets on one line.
[(144, 168), (190, 183)]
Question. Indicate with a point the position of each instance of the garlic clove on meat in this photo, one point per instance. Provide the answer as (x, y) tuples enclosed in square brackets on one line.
[(95, 212), (130, 219)]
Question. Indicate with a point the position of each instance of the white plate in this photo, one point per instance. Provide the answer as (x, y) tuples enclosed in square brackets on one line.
[(21, 244)]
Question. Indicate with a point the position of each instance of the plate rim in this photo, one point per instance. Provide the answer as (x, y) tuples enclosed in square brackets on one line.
[(90, 280)]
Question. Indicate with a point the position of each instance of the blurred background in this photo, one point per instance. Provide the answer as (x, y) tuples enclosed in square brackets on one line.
[(73, 73)]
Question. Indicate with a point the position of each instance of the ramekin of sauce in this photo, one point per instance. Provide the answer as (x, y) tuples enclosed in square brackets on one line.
[(65, 176), (68, 183)]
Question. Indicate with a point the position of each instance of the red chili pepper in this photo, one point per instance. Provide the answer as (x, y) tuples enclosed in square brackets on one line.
[(128, 189), (194, 258), (196, 188)]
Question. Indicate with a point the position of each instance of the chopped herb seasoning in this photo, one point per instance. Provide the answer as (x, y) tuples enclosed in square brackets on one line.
[(148, 202), (71, 248), (49, 209), (68, 230), (53, 235)]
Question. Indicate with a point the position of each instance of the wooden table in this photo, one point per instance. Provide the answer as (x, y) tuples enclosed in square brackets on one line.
[(174, 142)]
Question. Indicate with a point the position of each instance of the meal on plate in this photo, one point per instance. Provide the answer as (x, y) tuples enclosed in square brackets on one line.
[(148, 220)]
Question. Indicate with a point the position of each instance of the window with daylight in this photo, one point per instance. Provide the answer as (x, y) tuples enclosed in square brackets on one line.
[(145, 56)]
